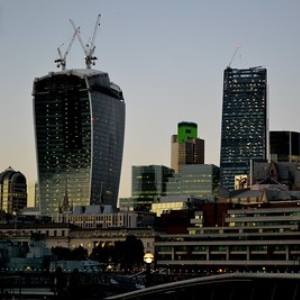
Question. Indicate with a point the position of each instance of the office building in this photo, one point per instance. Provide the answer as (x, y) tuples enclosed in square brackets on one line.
[(148, 184), (284, 146), (201, 180), (257, 239), (79, 119), (186, 147), (13, 191), (244, 132)]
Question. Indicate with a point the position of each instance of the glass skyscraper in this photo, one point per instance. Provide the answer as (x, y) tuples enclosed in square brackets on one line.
[(244, 129), (79, 125)]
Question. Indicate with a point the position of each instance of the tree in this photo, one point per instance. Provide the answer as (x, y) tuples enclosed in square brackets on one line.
[(103, 252), (62, 253), (131, 251), (79, 253)]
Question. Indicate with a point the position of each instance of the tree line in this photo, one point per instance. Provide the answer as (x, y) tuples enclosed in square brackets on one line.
[(125, 253)]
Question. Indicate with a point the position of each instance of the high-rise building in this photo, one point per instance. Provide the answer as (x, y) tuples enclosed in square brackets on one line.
[(244, 132), (79, 124), (284, 146), (13, 191), (186, 147)]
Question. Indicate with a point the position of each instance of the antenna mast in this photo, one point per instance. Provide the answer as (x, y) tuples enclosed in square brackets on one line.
[(90, 47)]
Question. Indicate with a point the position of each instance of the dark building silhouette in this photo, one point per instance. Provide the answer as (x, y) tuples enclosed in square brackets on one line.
[(284, 146)]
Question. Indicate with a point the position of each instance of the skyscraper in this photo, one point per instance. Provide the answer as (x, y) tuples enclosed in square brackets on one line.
[(244, 122), (186, 147), (79, 124)]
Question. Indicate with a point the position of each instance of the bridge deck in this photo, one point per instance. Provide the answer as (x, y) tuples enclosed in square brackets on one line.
[(234, 286)]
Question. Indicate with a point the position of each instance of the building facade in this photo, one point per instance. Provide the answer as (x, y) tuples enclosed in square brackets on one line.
[(79, 119), (284, 146), (201, 180), (148, 183), (253, 239), (186, 147), (68, 236), (96, 216), (13, 191), (244, 129), (287, 173)]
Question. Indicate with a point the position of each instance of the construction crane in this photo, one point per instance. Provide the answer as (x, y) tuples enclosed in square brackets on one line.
[(90, 47), (61, 61), (234, 54)]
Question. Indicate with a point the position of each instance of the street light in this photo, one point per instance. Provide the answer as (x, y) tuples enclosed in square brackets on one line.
[(148, 259)]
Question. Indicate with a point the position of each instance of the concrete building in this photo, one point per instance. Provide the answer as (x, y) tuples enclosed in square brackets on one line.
[(256, 239), (69, 236), (96, 216), (79, 120), (244, 129), (186, 147)]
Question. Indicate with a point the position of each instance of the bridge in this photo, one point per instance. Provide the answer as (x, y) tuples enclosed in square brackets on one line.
[(231, 286)]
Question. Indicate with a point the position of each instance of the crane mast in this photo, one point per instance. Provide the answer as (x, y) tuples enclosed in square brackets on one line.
[(234, 54), (90, 47), (61, 61)]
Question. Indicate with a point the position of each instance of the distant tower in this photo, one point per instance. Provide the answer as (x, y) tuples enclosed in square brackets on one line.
[(13, 191), (186, 147), (244, 129)]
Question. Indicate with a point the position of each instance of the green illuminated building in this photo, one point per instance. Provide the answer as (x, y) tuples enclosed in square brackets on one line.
[(186, 147)]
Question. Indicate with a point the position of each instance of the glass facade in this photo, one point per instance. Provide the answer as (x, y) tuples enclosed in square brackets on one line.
[(284, 146), (148, 183), (195, 180), (79, 130), (13, 191), (244, 122)]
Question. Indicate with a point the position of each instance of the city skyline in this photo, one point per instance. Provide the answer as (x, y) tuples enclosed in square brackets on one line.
[(168, 57)]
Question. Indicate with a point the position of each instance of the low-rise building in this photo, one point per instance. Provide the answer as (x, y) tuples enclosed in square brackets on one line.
[(96, 216), (253, 238)]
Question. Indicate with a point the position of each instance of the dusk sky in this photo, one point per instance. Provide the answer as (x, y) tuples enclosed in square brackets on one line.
[(168, 57)]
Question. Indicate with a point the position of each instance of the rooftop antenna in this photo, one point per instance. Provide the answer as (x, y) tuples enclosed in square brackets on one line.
[(61, 61), (90, 47), (238, 46)]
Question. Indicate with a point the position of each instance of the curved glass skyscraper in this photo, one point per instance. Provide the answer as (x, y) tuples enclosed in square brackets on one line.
[(79, 120)]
